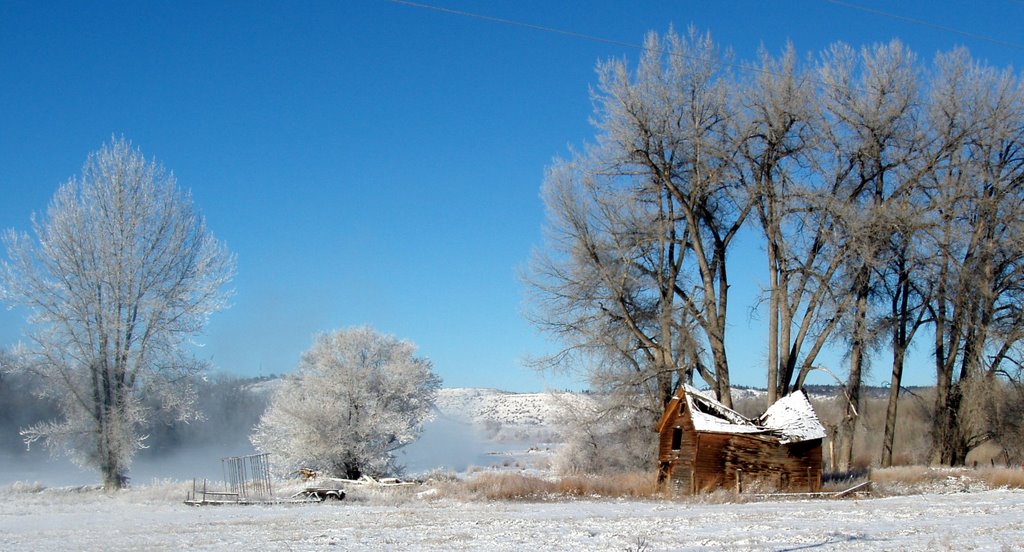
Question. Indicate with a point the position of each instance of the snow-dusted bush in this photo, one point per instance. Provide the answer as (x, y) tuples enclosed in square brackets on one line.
[(355, 398), (607, 435)]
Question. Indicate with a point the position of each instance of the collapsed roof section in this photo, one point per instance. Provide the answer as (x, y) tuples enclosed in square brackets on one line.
[(791, 419)]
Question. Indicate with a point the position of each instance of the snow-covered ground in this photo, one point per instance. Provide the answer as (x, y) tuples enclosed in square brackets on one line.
[(484, 428), (153, 518)]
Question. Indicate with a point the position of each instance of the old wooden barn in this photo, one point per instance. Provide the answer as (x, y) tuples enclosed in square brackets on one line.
[(705, 445)]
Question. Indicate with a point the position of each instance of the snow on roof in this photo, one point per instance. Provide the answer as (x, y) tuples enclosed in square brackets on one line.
[(710, 415), (791, 418)]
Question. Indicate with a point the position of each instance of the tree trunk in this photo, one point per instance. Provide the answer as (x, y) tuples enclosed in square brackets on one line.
[(773, 338), (890, 410), (848, 425), (114, 475), (953, 453), (723, 389), (942, 427), (901, 337)]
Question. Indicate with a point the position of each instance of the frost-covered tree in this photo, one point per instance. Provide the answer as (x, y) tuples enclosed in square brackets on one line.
[(355, 398), (975, 248), (120, 272), (609, 433), (640, 223), (871, 157)]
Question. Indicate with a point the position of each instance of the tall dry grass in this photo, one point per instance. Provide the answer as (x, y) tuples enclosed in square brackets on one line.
[(997, 478), (499, 485), (922, 479), (621, 485)]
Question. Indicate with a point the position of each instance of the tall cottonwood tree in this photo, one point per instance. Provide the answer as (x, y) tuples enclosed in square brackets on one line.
[(120, 272), (870, 143), (977, 246), (640, 224), (599, 298), (780, 118), (902, 284)]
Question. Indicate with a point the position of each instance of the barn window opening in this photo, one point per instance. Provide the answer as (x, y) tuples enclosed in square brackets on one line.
[(677, 438)]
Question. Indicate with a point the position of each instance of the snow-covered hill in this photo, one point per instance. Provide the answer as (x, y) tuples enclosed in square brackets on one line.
[(492, 405), (504, 415)]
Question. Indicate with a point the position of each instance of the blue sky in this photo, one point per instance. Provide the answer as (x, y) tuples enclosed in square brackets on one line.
[(377, 163)]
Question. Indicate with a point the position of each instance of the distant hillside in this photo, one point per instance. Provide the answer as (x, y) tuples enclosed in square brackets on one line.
[(508, 416), (824, 391), (505, 416)]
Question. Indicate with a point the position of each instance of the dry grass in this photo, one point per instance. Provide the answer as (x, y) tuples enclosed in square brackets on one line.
[(1011, 478), (909, 475), (499, 485), (921, 479), (487, 485), (492, 485), (622, 485)]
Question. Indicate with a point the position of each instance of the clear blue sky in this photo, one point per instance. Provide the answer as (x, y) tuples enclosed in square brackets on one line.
[(378, 163)]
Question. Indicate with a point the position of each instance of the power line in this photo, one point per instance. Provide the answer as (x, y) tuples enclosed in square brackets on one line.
[(516, 23), (578, 35), (927, 24), (740, 67)]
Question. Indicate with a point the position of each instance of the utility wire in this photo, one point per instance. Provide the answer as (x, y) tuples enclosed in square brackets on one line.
[(927, 24), (592, 38), (635, 46), (516, 23)]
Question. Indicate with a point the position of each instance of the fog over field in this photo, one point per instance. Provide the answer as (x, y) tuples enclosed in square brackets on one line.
[(470, 427), (446, 444)]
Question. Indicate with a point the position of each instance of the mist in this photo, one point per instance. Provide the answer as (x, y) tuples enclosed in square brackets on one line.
[(39, 466), (453, 444), (230, 408), (174, 450)]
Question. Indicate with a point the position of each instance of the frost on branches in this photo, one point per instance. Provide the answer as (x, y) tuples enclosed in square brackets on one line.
[(120, 272), (355, 398)]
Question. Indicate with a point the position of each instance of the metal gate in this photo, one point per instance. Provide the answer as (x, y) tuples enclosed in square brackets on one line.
[(248, 476)]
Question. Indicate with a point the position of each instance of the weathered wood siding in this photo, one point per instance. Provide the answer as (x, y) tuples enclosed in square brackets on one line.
[(676, 465), (706, 461), (737, 461)]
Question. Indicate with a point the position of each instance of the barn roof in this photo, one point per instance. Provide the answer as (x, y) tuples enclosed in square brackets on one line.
[(710, 415), (791, 419)]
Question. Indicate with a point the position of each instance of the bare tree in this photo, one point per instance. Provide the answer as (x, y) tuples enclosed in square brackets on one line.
[(903, 285), (355, 398), (121, 271), (640, 224), (976, 246), (779, 135), (870, 102)]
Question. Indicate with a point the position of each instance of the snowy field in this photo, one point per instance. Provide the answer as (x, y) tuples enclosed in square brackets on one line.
[(154, 518), (488, 429)]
